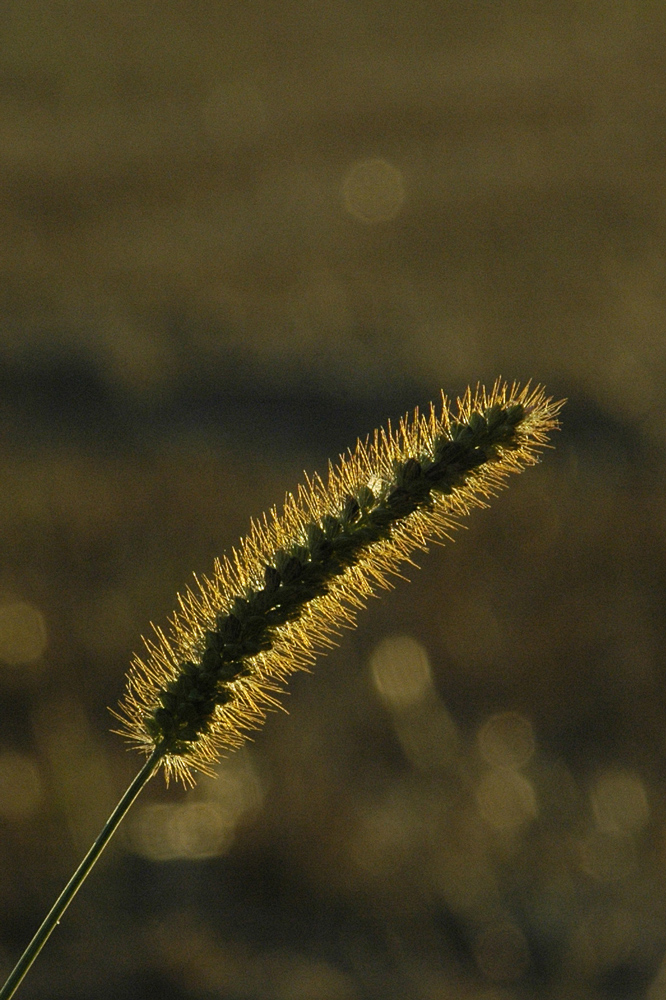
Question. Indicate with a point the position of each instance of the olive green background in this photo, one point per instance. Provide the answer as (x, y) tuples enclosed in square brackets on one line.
[(234, 238)]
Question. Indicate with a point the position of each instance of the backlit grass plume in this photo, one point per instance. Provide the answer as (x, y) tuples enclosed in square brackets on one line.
[(298, 576)]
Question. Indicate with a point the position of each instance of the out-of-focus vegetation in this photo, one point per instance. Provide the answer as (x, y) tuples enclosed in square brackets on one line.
[(235, 237)]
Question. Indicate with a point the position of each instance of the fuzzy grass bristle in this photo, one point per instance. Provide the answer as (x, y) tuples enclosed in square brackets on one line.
[(279, 599)]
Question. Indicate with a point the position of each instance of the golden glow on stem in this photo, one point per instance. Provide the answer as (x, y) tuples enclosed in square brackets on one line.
[(339, 541)]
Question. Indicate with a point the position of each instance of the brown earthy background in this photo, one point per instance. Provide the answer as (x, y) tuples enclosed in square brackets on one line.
[(234, 237)]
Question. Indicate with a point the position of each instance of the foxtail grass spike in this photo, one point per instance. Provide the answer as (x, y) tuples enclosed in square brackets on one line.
[(299, 575)]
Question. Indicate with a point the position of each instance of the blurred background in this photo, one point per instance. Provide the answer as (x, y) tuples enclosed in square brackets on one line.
[(234, 238)]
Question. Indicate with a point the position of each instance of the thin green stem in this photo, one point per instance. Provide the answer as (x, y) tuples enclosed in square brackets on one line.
[(79, 876)]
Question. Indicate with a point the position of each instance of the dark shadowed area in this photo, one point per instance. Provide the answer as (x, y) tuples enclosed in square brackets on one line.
[(236, 237)]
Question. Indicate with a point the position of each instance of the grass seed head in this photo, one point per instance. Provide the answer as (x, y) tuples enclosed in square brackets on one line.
[(299, 575)]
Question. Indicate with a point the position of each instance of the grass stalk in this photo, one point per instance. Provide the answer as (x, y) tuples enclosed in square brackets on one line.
[(78, 878)]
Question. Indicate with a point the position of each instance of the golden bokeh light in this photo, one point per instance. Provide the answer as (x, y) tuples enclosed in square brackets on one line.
[(400, 671), (180, 831), (506, 739), (464, 879), (391, 834), (506, 799), (620, 803), (20, 786), (373, 191), (607, 857), (23, 635), (204, 826), (428, 735), (236, 789)]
